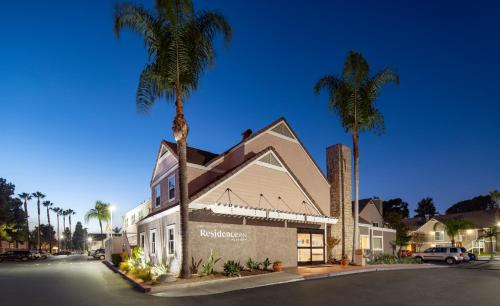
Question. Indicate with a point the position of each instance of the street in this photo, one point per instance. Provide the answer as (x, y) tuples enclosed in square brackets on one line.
[(76, 280)]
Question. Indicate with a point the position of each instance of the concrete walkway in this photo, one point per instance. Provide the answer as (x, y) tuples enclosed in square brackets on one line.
[(287, 276)]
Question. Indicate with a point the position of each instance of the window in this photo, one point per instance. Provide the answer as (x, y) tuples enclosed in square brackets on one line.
[(171, 188), (171, 240), (141, 241), (364, 242), (152, 241), (377, 243), (439, 235), (375, 224), (157, 195)]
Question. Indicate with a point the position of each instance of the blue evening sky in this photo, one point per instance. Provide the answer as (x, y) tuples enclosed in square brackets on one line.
[(69, 127)]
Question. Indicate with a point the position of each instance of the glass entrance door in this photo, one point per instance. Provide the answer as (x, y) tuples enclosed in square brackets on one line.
[(310, 246)]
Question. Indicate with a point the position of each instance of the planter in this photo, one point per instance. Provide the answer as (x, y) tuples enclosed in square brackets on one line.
[(277, 266)]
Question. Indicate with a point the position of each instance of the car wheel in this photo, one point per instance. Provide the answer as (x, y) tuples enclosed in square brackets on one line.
[(450, 260), (419, 260)]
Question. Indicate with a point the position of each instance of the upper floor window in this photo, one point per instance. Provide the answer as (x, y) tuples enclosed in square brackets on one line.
[(141, 240), (157, 195), (171, 187), (439, 235), (375, 224)]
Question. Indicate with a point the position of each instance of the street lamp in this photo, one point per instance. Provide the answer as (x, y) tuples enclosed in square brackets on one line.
[(89, 239)]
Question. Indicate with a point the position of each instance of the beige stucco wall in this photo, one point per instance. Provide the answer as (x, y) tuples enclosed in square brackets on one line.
[(371, 214)]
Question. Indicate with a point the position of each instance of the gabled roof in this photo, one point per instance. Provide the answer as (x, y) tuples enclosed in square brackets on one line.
[(364, 202), (194, 155), (480, 219)]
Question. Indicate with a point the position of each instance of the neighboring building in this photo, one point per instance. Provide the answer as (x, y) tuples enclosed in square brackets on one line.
[(263, 198), (5, 246), (96, 240), (130, 220), (374, 234), (427, 235)]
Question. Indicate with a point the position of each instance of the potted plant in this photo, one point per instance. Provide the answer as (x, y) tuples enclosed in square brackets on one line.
[(277, 266), (344, 261)]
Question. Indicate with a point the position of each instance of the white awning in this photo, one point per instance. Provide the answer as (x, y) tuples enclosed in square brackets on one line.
[(259, 213)]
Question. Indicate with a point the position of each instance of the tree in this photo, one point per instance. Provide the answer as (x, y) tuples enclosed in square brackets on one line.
[(495, 197), (38, 195), (425, 208), (352, 96), (396, 205), (70, 212), (395, 221), (491, 233), (453, 227), (25, 197), (101, 213), (66, 238), (418, 239), (12, 216), (78, 238), (58, 212), (482, 202), (117, 230), (180, 45), (48, 205), (47, 234)]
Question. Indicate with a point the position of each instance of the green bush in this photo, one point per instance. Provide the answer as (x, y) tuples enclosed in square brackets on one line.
[(232, 268), (124, 266), (195, 266), (208, 268), (390, 259), (252, 265), (116, 259)]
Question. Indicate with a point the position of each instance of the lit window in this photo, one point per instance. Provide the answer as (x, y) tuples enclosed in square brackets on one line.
[(364, 242), (153, 242), (157, 195), (439, 235), (377, 243), (171, 239), (171, 188)]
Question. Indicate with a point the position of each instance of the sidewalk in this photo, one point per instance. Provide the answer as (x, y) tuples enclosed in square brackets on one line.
[(287, 276)]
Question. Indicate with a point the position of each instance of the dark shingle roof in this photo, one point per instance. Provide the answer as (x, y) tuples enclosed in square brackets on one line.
[(195, 156)]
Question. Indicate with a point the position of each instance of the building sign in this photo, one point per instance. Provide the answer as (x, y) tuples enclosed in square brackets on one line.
[(223, 234)]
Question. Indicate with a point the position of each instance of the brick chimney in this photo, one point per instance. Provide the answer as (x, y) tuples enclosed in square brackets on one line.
[(339, 175)]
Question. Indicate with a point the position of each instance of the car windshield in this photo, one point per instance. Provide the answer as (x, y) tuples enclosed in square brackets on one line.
[(429, 250)]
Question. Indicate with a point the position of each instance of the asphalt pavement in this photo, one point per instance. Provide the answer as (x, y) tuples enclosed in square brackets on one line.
[(77, 280)]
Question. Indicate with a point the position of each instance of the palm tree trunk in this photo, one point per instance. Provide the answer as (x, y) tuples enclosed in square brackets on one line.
[(38, 232), (27, 223), (102, 238), (58, 235), (492, 256), (50, 231), (70, 232), (356, 191)]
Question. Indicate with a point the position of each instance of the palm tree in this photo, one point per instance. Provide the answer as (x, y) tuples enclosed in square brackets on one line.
[(58, 212), (70, 213), (495, 196), (453, 227), (352, 96), (101, 213), (180, 45), (38, 195), (117, 230), (48, 205), (26, 197)]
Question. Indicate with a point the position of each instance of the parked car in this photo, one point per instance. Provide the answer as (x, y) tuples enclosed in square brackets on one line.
[(38, 254), (63, 253), (99, 254), (470, 255), (450, 255), (23, 255)]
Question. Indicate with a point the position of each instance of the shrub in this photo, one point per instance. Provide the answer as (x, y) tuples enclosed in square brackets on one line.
[(195, 266), (208, 268), (390, 259), (266, 263), (124, 266), (143, 273), (160, 269), (251, 264), (232, 268), (116, 259)]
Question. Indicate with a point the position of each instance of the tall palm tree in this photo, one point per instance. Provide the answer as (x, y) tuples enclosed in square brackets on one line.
[(26, 197), (453, 227), (38, 195), (48, 205), (58, 212), (352, 96), (101, 213), (180, 45), (70, 213)]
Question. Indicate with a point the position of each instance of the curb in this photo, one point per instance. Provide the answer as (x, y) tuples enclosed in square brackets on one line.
[(135, 284)]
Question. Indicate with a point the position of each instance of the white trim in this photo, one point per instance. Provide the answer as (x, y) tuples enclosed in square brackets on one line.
[(282, 136), (382, 242), (442, 233), (156, 181), (157, 216), (157, 192), (382, 229), (205, 168), (170, 227), (168, 188), (161, 158)]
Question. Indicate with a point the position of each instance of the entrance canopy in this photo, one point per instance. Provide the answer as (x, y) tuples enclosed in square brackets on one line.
[(264, 214)]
